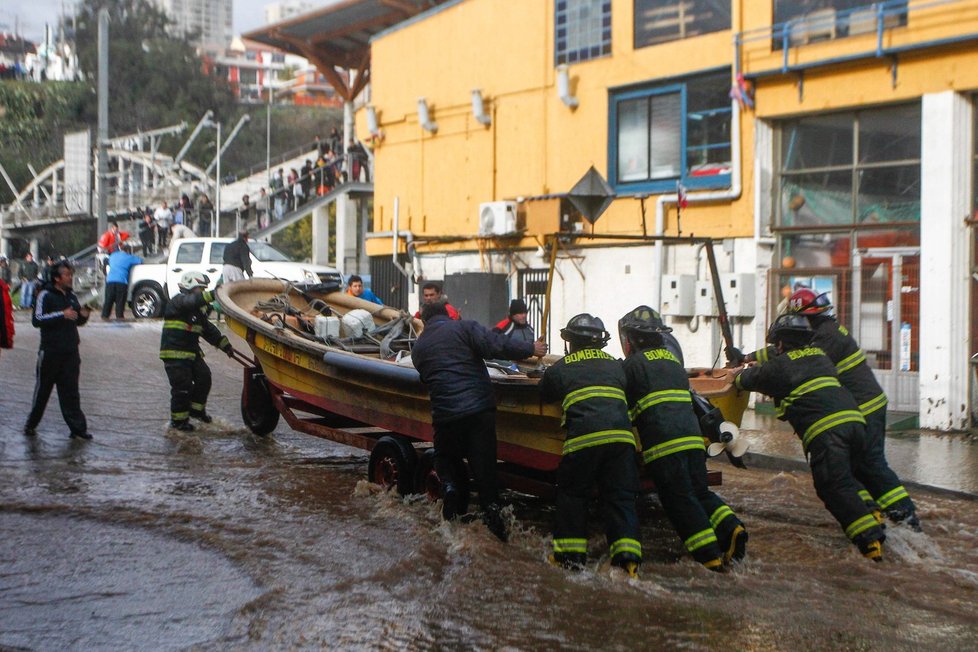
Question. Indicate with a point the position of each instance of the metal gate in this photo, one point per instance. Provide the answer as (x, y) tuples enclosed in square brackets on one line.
[(532, 287), (387, 282)]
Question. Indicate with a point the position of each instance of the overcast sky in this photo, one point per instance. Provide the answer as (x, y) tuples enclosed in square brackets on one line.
[(30, 16)]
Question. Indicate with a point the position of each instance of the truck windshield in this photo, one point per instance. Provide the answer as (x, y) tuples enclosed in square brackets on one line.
[(267, 254)]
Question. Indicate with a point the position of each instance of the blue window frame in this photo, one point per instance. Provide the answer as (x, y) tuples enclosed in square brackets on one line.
[(675, 132), (582, 30)]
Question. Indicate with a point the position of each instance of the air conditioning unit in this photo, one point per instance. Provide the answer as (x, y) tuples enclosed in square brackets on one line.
[(497, 218)]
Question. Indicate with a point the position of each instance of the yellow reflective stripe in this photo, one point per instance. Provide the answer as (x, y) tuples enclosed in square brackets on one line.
[(761, 356), (626, 545), (182, 326), (719, 514), (570, 545), (673, 446), (197, 406), (593, 391), (860, 525), (847, 363), (177, 355), (873, 404), (814, 384), (713, 563), (224, 340), (892, 496), (599, 438), (700, 539), (208, 296), (866, 496), (831, 421), (662, 396), (179, 416)]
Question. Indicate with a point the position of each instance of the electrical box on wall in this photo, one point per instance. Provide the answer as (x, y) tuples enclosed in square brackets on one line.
[(738, 294), (705, 305), (679, 295)]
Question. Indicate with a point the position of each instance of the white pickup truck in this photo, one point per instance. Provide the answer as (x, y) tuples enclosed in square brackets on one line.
[(151, 285)]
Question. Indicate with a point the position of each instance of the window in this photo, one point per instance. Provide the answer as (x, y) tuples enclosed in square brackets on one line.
[(659, 21), (582, 30), (804, 22), (190, 253), (672, 133), (851, 168), (217, 253)]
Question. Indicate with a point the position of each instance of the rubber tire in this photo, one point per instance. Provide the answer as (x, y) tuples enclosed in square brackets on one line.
[(258, 411), (152, 298), (393, 463), (426, 480)]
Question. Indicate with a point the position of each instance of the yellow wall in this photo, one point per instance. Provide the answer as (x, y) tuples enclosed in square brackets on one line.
[(536, 145)]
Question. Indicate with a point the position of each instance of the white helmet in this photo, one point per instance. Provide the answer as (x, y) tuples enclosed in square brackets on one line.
[(191, 280)]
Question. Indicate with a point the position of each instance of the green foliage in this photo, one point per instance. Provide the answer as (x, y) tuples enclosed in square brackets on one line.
[(295, 240)]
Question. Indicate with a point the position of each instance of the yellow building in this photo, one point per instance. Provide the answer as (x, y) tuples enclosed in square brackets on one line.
[(827, 143)]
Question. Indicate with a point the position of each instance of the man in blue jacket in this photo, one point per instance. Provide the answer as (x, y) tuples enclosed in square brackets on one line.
[(117, 281), (450, 356)]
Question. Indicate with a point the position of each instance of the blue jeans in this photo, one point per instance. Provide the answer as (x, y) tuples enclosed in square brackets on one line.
[(27, 294)]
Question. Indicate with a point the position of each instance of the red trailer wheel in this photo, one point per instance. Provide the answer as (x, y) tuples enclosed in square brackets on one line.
[(392, 464), (257, 407)]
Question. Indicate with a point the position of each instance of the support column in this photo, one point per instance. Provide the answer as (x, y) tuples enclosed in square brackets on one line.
[(320, 235), (945, 164), (346, 234)]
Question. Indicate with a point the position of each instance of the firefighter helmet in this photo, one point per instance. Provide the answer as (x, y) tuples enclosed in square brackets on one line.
[(585, 328), (191, 280), (806, 302), (791, 326), (642, 320)]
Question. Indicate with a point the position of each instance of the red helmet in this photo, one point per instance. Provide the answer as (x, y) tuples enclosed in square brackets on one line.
[(806, 302)]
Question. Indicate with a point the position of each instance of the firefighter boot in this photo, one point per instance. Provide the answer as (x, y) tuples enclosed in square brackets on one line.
[(182, 425), (202, 416), (906, 516), (575, 561), (493, 518), (627, 561), (737, 549), (871, 546)]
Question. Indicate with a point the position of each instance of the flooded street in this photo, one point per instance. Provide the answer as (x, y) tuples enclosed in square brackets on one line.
[(218, 539)]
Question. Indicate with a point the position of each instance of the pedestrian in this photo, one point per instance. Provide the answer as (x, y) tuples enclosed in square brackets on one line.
[(187, 206), (599, 448), (262, 206), (164, 218), (431, 292), (237, 259), (205, 210), (5, 272), (179, 232), (673, 450), (112, 239), (245, 212), (354, 287), (516, 325), (6, 315), (807, 394), (335, 141), (147, 234), (117, 281), (184, 323), (450, 357), (58, 314), (28, 280), (306, 180)]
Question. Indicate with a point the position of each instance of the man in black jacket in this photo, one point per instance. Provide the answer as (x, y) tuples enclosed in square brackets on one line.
[(58, 314), (450, 356), (184, 323), (237, 259)]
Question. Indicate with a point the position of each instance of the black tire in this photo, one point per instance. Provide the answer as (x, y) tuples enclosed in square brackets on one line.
[(147, 302), (426, 480), (258, 411), (392, 464)]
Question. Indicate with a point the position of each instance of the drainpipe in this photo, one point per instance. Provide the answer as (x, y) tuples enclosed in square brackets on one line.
[(730, 194), (395, 239)]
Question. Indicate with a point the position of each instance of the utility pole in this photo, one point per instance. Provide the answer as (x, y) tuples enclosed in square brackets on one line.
[(103, 117)]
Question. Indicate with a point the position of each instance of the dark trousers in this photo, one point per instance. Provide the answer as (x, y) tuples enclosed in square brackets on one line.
[(474, 438), (613, 468), (190, 384), (147, 241), (874, 472), (703, 521), (833, 456), (115, 295), (59, 370)]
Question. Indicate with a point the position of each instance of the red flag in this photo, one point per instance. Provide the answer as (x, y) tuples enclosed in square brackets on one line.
[(681, 199)]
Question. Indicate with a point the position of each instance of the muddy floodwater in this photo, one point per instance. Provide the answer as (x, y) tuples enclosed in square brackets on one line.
[(143, 539)]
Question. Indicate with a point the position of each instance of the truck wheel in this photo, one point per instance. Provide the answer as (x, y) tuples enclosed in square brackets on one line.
[(392, 463), (426, 480), (147, 303), (257, 408)]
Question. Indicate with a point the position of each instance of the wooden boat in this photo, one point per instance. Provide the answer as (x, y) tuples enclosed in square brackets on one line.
[(347, 391)]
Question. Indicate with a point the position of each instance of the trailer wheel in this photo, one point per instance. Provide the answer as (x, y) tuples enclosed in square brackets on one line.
[(392, 464), (426, 480), (257, 408)]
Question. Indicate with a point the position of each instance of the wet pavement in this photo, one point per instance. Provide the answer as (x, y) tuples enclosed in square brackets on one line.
[(218, 539)]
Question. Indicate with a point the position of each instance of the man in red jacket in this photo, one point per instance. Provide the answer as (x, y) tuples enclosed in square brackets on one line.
[(6, 317), (431, 293)]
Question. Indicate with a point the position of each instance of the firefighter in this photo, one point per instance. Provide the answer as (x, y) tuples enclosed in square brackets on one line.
[(661, 407), (184, 323), (599, 447), (807, 394), (882, 488)]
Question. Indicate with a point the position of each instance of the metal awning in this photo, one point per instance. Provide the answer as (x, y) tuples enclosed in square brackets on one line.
[(338, 36)]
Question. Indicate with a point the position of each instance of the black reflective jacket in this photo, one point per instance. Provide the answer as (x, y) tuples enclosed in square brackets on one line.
[(184, 323), (850, 363)]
